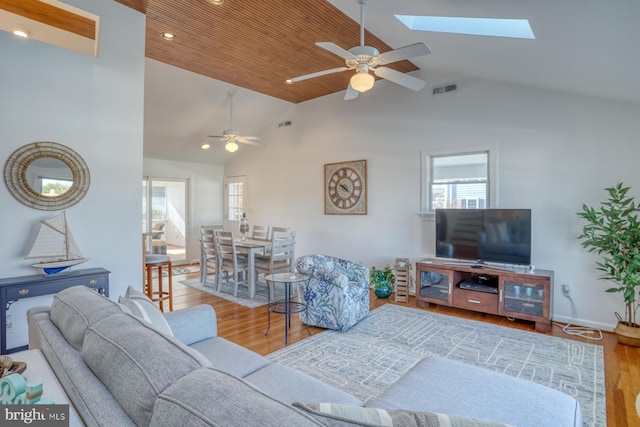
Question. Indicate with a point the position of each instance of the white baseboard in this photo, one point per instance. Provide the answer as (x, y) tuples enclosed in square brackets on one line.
[(586, 323)]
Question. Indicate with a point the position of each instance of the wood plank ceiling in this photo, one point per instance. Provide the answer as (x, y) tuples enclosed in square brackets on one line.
[(256, 44)]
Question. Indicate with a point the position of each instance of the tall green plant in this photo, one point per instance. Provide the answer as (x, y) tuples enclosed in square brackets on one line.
[(613, 232)]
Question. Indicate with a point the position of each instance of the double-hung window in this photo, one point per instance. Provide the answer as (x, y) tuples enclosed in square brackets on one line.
[(457, 181)]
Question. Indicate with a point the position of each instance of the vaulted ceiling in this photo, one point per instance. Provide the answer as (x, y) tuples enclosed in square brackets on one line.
[(256, 44), (585, 47), (582, 47)]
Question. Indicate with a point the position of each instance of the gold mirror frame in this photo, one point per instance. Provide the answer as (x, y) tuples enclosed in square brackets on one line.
[(15, 176)]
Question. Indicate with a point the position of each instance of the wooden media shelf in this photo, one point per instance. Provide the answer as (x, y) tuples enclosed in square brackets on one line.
[(526, 296)]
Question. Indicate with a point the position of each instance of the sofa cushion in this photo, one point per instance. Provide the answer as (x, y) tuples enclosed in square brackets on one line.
[(136, 362), (77, 308), (290, 385), (141, 306), (230, 357), (85, 391), (450, 386), (208, 397), (337, 415)]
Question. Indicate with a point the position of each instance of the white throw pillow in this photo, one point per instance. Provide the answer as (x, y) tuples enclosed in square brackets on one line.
[(141, 306)]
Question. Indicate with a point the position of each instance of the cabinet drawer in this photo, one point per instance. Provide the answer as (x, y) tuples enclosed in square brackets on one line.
[(52, 287), (477, 301)]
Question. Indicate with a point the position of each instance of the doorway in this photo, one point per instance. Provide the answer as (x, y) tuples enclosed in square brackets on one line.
[(164, 217)]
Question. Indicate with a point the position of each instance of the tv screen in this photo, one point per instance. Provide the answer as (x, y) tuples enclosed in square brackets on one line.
[(484, 235)]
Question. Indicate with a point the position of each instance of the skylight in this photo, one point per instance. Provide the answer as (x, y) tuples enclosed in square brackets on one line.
[(514, 28)]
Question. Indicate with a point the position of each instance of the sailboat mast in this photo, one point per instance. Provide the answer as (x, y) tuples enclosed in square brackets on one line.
[(66, 235)]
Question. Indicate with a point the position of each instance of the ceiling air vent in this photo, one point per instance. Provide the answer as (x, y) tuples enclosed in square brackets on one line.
[(445, 88)]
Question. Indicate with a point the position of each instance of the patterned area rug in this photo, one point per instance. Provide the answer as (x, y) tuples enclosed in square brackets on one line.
[(177, 271), (380, 349), (227, 292)]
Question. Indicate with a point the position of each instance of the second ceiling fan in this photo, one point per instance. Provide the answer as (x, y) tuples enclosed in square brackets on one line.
[(231, 137), (363, 59)]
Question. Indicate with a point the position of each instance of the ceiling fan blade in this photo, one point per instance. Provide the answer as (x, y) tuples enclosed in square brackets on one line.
[(351, 93), (336, 50), (400, 78), (251, 138), (317, 74), (244, 140), (215, 136), (402, 53)]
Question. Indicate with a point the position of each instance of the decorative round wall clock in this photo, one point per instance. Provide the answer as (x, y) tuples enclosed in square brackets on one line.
[(345, 188)]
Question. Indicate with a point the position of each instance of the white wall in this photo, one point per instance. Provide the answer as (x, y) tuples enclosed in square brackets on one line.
[(555, 151), (205, 195), (94, 106)]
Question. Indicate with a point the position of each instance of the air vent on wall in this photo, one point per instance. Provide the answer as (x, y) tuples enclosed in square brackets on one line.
[(445, 89)]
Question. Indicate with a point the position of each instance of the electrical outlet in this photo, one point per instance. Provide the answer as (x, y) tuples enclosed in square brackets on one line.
[(565, 290)]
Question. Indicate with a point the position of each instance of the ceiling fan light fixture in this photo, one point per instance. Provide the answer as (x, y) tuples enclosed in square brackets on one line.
[(362, 82), (231, 147)]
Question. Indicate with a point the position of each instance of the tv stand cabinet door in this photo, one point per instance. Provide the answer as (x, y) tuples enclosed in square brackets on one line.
[(433, 285), (527, 298)]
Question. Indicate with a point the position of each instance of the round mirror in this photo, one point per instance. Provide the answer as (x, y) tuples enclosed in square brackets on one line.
[(47, 176)]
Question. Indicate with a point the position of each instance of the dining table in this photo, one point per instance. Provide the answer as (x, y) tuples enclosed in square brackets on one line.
[(251, 247)]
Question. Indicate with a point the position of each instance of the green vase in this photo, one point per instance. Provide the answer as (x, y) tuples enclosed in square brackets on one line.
[(383, 290)]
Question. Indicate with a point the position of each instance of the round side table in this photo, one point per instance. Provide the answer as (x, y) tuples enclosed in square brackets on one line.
[(286, 306)]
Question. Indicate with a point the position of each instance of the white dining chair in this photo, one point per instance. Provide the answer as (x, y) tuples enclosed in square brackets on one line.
[(232, 265), (261, 232), (208, 258), (281, 257)]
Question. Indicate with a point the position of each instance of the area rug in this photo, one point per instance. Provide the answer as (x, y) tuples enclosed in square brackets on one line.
[(227, 292), (381, 348), (177, 271)]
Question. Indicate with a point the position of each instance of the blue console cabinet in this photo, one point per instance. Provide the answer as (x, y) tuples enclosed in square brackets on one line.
[(13, 289)]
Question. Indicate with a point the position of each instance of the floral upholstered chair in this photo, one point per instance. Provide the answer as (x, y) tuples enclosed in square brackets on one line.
[(337, 293)]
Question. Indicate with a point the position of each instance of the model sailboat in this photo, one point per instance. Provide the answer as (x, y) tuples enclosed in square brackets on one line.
[(55, 241)]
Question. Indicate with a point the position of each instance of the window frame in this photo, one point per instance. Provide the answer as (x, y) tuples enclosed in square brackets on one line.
[(426, 174)]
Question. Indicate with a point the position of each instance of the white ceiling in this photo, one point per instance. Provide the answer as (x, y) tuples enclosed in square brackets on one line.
[(582, 46)]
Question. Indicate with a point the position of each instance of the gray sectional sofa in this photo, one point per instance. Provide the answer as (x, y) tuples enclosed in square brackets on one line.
[(120, 370)]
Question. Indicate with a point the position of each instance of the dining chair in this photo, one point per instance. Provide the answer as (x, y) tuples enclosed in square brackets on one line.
[(230, 262), (208, 258), (281, 257), (261, 232)]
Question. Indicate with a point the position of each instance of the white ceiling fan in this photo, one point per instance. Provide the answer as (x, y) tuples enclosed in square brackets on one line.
[(363, 59), (232, 137)]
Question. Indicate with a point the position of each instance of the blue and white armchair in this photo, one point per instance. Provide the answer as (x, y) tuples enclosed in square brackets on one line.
[(337, 293)]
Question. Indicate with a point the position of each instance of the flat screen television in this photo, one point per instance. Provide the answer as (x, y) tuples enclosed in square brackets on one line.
[(484, 235)]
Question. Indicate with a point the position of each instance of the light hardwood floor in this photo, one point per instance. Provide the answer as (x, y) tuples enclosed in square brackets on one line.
[(246, 327)]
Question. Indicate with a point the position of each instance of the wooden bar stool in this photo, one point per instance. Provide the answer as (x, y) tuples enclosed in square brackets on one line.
[(156, 261)]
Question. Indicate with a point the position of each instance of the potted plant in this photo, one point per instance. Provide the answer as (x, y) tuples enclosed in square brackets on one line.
[(613, 231), (382, 281)]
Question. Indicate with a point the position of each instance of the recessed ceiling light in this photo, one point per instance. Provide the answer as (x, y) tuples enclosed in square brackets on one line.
[(205, 146), (289, 81), (514, 28), (216, 2), (168, 36), (21, 33)]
